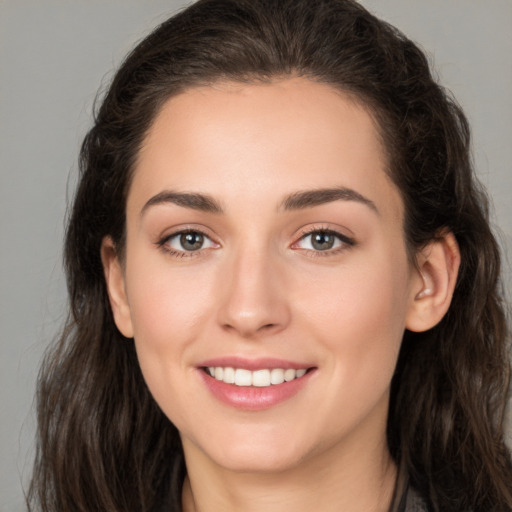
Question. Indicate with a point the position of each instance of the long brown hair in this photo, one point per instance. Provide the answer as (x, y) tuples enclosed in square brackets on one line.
[(103, 443)]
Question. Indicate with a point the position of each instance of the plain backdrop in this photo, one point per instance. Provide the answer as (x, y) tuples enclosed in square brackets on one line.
[(55, 54)]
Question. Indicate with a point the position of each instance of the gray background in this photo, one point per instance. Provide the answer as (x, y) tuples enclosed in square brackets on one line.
[(53, 57)]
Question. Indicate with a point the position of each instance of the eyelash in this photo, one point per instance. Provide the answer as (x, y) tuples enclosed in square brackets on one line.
[(345, 243), (178, 253)]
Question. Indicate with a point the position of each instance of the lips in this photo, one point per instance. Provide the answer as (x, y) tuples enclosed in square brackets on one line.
[(254, 384)]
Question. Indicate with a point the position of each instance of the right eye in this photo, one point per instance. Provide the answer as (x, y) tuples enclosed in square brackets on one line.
[(187, 242)]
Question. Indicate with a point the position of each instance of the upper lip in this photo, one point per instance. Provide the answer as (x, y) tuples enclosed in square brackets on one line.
[(254, 364)]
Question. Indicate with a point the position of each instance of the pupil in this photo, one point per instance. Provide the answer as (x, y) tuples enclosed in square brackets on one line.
[(191, 241), (322, 241)]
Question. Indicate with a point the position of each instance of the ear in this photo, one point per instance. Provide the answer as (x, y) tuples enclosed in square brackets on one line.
[(114, 278), (436, 276)]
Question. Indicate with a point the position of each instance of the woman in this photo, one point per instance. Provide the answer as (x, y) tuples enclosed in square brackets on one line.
[(284, 289)]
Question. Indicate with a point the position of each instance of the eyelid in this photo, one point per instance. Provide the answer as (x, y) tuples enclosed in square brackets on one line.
[(345, 240), (163, 241)]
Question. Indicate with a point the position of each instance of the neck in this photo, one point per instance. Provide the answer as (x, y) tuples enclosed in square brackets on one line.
[(354, 479)]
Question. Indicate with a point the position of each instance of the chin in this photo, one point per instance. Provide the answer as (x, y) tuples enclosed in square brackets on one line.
[(253, 452), (257, 461)]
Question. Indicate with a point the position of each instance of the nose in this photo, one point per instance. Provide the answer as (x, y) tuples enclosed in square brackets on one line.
[(253, 295)]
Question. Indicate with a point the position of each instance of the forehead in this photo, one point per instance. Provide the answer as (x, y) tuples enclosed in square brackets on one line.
[(270, 137)]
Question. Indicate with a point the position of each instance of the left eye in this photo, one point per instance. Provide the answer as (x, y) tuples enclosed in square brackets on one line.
[(189, 241), (322, 241)]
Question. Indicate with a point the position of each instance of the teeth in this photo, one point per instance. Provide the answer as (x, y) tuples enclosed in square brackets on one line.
[(289, 375), (242, 377), (277, 376), (259, 378), (229, 376)]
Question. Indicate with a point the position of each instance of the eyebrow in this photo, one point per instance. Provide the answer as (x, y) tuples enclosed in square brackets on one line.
[(311, 198), (193, 200), (296, 201)]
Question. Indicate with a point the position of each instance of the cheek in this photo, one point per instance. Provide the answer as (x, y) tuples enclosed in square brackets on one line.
[(360, 316), (166, 303), (168, 310)]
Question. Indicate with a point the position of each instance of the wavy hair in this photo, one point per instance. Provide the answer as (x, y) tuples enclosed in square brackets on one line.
[(103, 443)]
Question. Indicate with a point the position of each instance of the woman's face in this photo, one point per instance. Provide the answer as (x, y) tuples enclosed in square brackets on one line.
[(265, 243)]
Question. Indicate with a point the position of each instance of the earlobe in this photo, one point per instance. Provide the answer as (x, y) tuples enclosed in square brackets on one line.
[(114, 279), (437, 270)]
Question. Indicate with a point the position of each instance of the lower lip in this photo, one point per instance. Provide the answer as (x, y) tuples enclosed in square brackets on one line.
[(252, 398)]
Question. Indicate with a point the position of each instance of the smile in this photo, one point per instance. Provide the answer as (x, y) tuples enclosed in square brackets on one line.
[(255, 384), (258, 378)]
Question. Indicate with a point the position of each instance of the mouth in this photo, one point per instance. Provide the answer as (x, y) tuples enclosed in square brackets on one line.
[(255, 385), (261, 378)]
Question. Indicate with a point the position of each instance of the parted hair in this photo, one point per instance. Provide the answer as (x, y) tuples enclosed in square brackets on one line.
[(103, 443)]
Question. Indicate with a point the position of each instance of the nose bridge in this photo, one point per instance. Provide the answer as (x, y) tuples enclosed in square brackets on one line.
[(252, 298)]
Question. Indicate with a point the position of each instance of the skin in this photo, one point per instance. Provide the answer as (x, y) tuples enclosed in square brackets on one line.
[(258, 288)]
